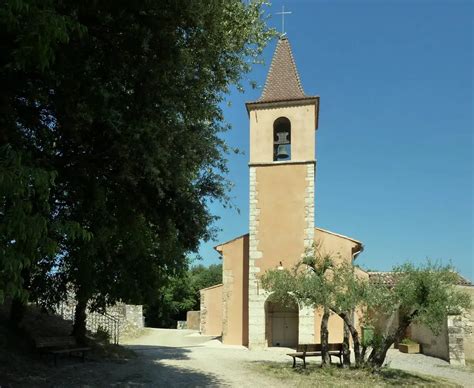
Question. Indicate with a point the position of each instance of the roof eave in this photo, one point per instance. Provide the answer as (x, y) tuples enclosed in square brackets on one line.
[(307, 100)]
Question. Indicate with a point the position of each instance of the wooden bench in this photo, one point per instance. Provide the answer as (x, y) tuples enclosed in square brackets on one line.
[(314, 350), (60, 345)]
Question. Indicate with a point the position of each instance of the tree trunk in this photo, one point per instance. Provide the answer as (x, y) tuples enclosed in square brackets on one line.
[(377, 356), (326, 360), (17, 312), (79, 329), (355, 337), (346, 359)]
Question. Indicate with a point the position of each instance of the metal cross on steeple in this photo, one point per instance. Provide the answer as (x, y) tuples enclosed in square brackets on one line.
[(283, 13)]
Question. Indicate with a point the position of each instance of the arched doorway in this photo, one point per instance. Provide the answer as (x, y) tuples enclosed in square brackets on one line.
[(281, 323)]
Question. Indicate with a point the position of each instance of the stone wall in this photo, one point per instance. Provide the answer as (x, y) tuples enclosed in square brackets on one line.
[(257, 296), (193, 320), (455, 341), (431, 345), (127, 318), (468, 325), (130, 318)]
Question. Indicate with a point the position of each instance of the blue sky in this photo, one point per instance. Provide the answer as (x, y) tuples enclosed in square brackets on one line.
[(395, 138)]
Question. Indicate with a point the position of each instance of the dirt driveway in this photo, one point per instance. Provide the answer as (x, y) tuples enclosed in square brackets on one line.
[(183, 358)]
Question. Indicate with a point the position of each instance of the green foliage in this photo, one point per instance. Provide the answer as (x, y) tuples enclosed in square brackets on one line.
[(319, 283), (180, 294), (423, 294), (408, 341), (202, 277), (119, 102)]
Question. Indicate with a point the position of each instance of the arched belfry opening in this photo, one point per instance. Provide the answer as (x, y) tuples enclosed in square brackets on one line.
[(281, 139), (281, 323)]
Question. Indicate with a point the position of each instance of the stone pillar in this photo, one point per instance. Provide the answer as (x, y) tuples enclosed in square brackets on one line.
[(309, 210), (203, 315), (456, 340), (257, 296), (306, 314)]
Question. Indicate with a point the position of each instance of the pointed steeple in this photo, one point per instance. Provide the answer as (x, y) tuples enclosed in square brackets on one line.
[(283, 81), (283, 85)]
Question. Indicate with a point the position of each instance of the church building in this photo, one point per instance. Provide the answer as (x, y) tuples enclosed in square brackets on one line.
[(282, 170)]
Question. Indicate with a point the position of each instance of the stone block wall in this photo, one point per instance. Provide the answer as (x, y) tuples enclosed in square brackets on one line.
[(193, 320), (257, 296)]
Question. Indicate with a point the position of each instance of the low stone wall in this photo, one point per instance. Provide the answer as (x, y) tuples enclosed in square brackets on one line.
[(129, 318), (468, 326), (193, 320)]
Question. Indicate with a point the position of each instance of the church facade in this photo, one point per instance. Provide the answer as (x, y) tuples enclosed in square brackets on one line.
[(282, 169)]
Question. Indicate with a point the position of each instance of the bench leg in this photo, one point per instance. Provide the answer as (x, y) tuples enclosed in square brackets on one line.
[(304, 362), (294, 362)]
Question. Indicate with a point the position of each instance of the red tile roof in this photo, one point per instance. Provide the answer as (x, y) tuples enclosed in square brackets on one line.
[(390, 279), (283, 81)]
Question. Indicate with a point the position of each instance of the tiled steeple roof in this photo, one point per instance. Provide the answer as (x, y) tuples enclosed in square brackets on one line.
[(283, 82)]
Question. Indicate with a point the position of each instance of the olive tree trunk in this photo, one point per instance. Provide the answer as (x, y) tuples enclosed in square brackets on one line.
[(326, 360)]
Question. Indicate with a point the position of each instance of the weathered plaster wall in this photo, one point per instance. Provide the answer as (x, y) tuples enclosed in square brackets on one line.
[(431, 345), (303, 139), (281, 229), (282, 222), (235, 296), (335, 327), (211, 310), (340, 248)]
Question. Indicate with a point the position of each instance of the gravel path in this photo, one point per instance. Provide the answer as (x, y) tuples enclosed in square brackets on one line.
[(185, 358), (419, 363)]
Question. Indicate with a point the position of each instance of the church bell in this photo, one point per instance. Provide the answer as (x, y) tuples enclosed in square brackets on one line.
[(281, 144), (282, 152)]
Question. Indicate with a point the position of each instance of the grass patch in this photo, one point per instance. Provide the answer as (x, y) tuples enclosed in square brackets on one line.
[(315, 376)]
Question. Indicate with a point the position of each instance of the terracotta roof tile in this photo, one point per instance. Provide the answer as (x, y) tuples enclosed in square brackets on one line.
[(390, 279), (283, 82)]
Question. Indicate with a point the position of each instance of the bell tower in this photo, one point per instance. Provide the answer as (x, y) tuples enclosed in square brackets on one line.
[(283, 123)]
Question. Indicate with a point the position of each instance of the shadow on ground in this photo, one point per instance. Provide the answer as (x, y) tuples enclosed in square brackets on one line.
[(148, 369)]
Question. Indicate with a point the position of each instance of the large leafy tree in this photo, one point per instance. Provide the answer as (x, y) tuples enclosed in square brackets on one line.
[(120, 101)]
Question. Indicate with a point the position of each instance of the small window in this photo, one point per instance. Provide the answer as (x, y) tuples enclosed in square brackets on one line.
[(281, 139)]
